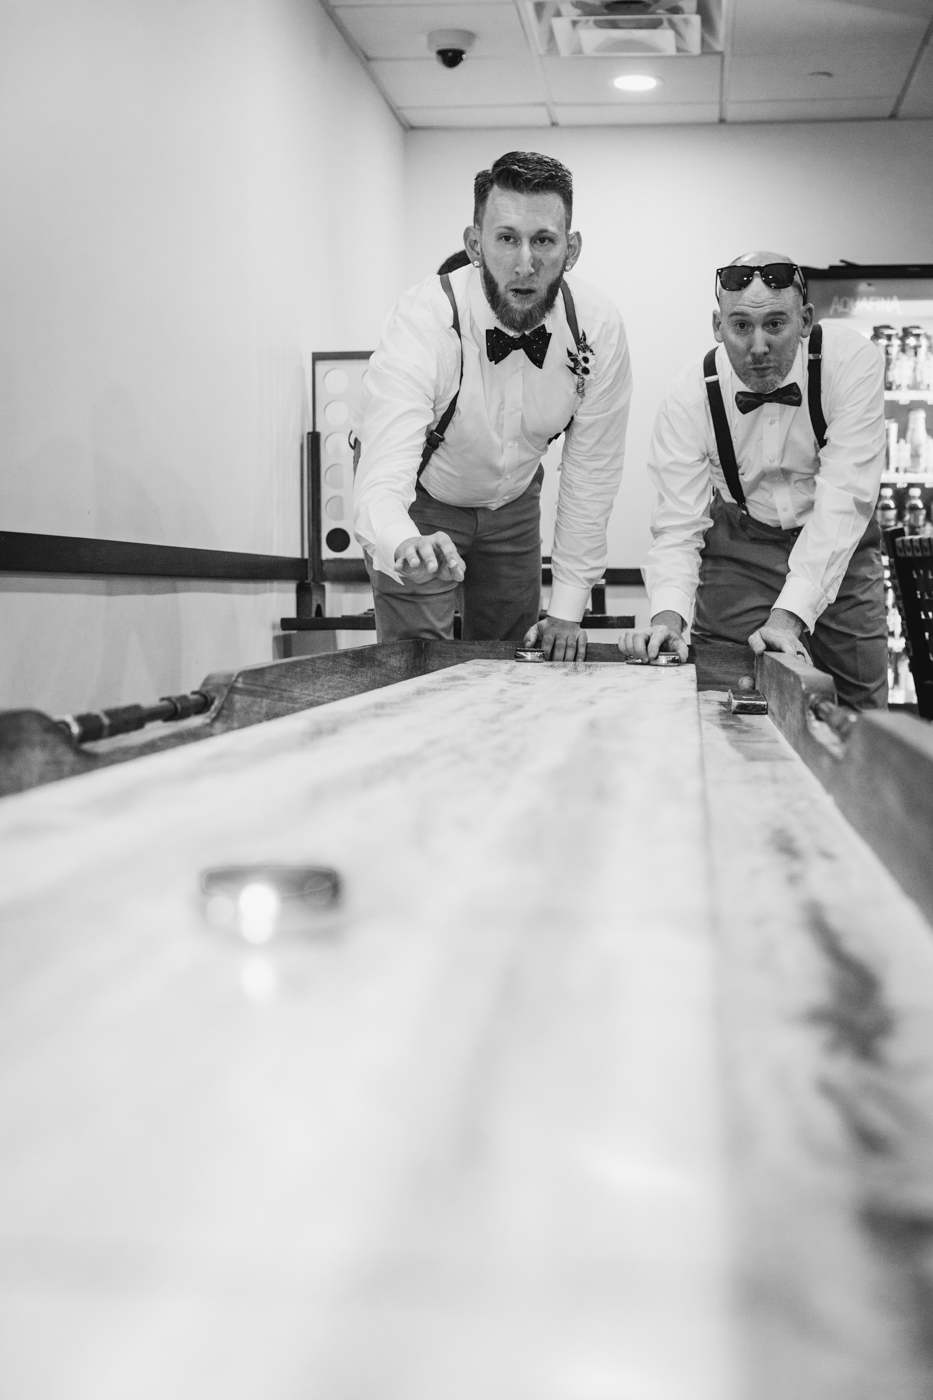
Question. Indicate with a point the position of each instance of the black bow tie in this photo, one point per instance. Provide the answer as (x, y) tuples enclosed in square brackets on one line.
[(534, 344), (790, 393)]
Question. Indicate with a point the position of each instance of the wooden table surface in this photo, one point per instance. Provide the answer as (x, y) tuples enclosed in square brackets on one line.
[(614, 1082)]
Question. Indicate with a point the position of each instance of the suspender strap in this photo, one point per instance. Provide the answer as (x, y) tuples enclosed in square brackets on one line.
[(730, 467), (435, 436), (815, 385), (570, 311)]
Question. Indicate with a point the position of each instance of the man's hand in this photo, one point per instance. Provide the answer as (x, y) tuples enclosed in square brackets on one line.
[(780, 633), (559, 639), (664, 634), (424, 557)]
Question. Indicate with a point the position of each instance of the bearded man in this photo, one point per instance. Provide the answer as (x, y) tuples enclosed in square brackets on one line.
[(767, 460), (475, 373)]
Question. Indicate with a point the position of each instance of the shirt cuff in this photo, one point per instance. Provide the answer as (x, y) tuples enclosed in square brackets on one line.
[(798, 596), (672, 599), (388, 541), (568, 601)]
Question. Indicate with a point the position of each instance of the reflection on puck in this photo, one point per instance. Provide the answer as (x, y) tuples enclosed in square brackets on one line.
[(663, 658), (529, 654)]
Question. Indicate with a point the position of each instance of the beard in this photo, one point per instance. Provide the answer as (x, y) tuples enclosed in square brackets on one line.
[(766, 380), (526, 318)]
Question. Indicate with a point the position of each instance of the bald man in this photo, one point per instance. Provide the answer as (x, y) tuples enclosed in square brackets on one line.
[(767, 459)]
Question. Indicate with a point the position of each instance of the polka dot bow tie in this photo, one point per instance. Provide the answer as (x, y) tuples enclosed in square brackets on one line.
[(534, 344), (790, 393)]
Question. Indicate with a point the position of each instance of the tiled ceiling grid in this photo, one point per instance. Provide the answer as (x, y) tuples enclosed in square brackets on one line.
[(797, 60)]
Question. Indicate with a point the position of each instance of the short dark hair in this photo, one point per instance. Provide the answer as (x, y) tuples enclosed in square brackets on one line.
[(526, 172), (460, 258)]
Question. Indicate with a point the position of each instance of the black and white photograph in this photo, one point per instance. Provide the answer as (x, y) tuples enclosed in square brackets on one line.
[(466, 699)]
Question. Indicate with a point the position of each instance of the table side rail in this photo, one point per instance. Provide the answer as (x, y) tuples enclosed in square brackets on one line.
[(879, 774)]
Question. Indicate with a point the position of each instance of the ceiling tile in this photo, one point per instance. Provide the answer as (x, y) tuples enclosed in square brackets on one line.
[(476, 117), (855, 109), (400, 31), (423, 82), (800, 26), (670, 113), (919, 99), (854, 74), (580, 80), (780, 53)]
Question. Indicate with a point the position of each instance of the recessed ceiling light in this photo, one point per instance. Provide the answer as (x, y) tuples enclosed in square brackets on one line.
[(636, 82)]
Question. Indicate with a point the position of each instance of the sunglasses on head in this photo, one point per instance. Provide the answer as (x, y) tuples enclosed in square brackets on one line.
[(776, 275)]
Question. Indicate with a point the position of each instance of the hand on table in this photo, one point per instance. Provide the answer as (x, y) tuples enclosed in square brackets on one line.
[(559, 639), (425, 557), (780, 633), (664, 634)]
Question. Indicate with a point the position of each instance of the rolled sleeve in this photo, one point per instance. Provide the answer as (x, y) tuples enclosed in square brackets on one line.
[(591, 470), (568, 602), (801, 598), (678, 467), (846, 486)]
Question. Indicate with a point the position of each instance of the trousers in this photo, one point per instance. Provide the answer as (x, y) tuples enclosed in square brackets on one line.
[(743, 566), (500, 596)]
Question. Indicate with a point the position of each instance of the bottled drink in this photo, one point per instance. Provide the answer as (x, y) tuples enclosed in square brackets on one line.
[(886, 509), (885, 337), (906, 360), (922, 363), (891, 445), (915, 514), (917, 438)]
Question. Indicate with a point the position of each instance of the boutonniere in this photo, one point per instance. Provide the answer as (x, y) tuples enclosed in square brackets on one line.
[(579, 365)]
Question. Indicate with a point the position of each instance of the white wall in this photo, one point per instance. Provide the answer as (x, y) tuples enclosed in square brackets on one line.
[(198, 193), (660, 208), (188, 192)]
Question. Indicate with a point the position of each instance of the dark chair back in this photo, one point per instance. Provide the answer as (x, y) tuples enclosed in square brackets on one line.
[(911, 561)]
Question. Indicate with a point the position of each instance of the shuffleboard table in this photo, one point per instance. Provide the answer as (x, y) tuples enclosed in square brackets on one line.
[(610, 1078)]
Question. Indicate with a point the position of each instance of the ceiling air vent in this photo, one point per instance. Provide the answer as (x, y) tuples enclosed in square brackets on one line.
[(626, 28)]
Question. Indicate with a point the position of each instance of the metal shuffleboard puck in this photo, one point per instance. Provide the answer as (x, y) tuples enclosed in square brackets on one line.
[(529, 654), (663, 658), (263, 901), (747, 702)]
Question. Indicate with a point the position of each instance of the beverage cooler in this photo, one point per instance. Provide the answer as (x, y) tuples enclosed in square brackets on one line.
[(893, 306)]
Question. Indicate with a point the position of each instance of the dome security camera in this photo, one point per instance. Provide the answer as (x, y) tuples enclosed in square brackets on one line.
[(451, 46)]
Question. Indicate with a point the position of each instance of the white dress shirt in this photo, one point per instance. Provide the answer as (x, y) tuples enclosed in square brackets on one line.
[(787, 481), (505, 416)]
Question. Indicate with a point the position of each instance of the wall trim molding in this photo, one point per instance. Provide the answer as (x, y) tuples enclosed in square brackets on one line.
[(25, 553)]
